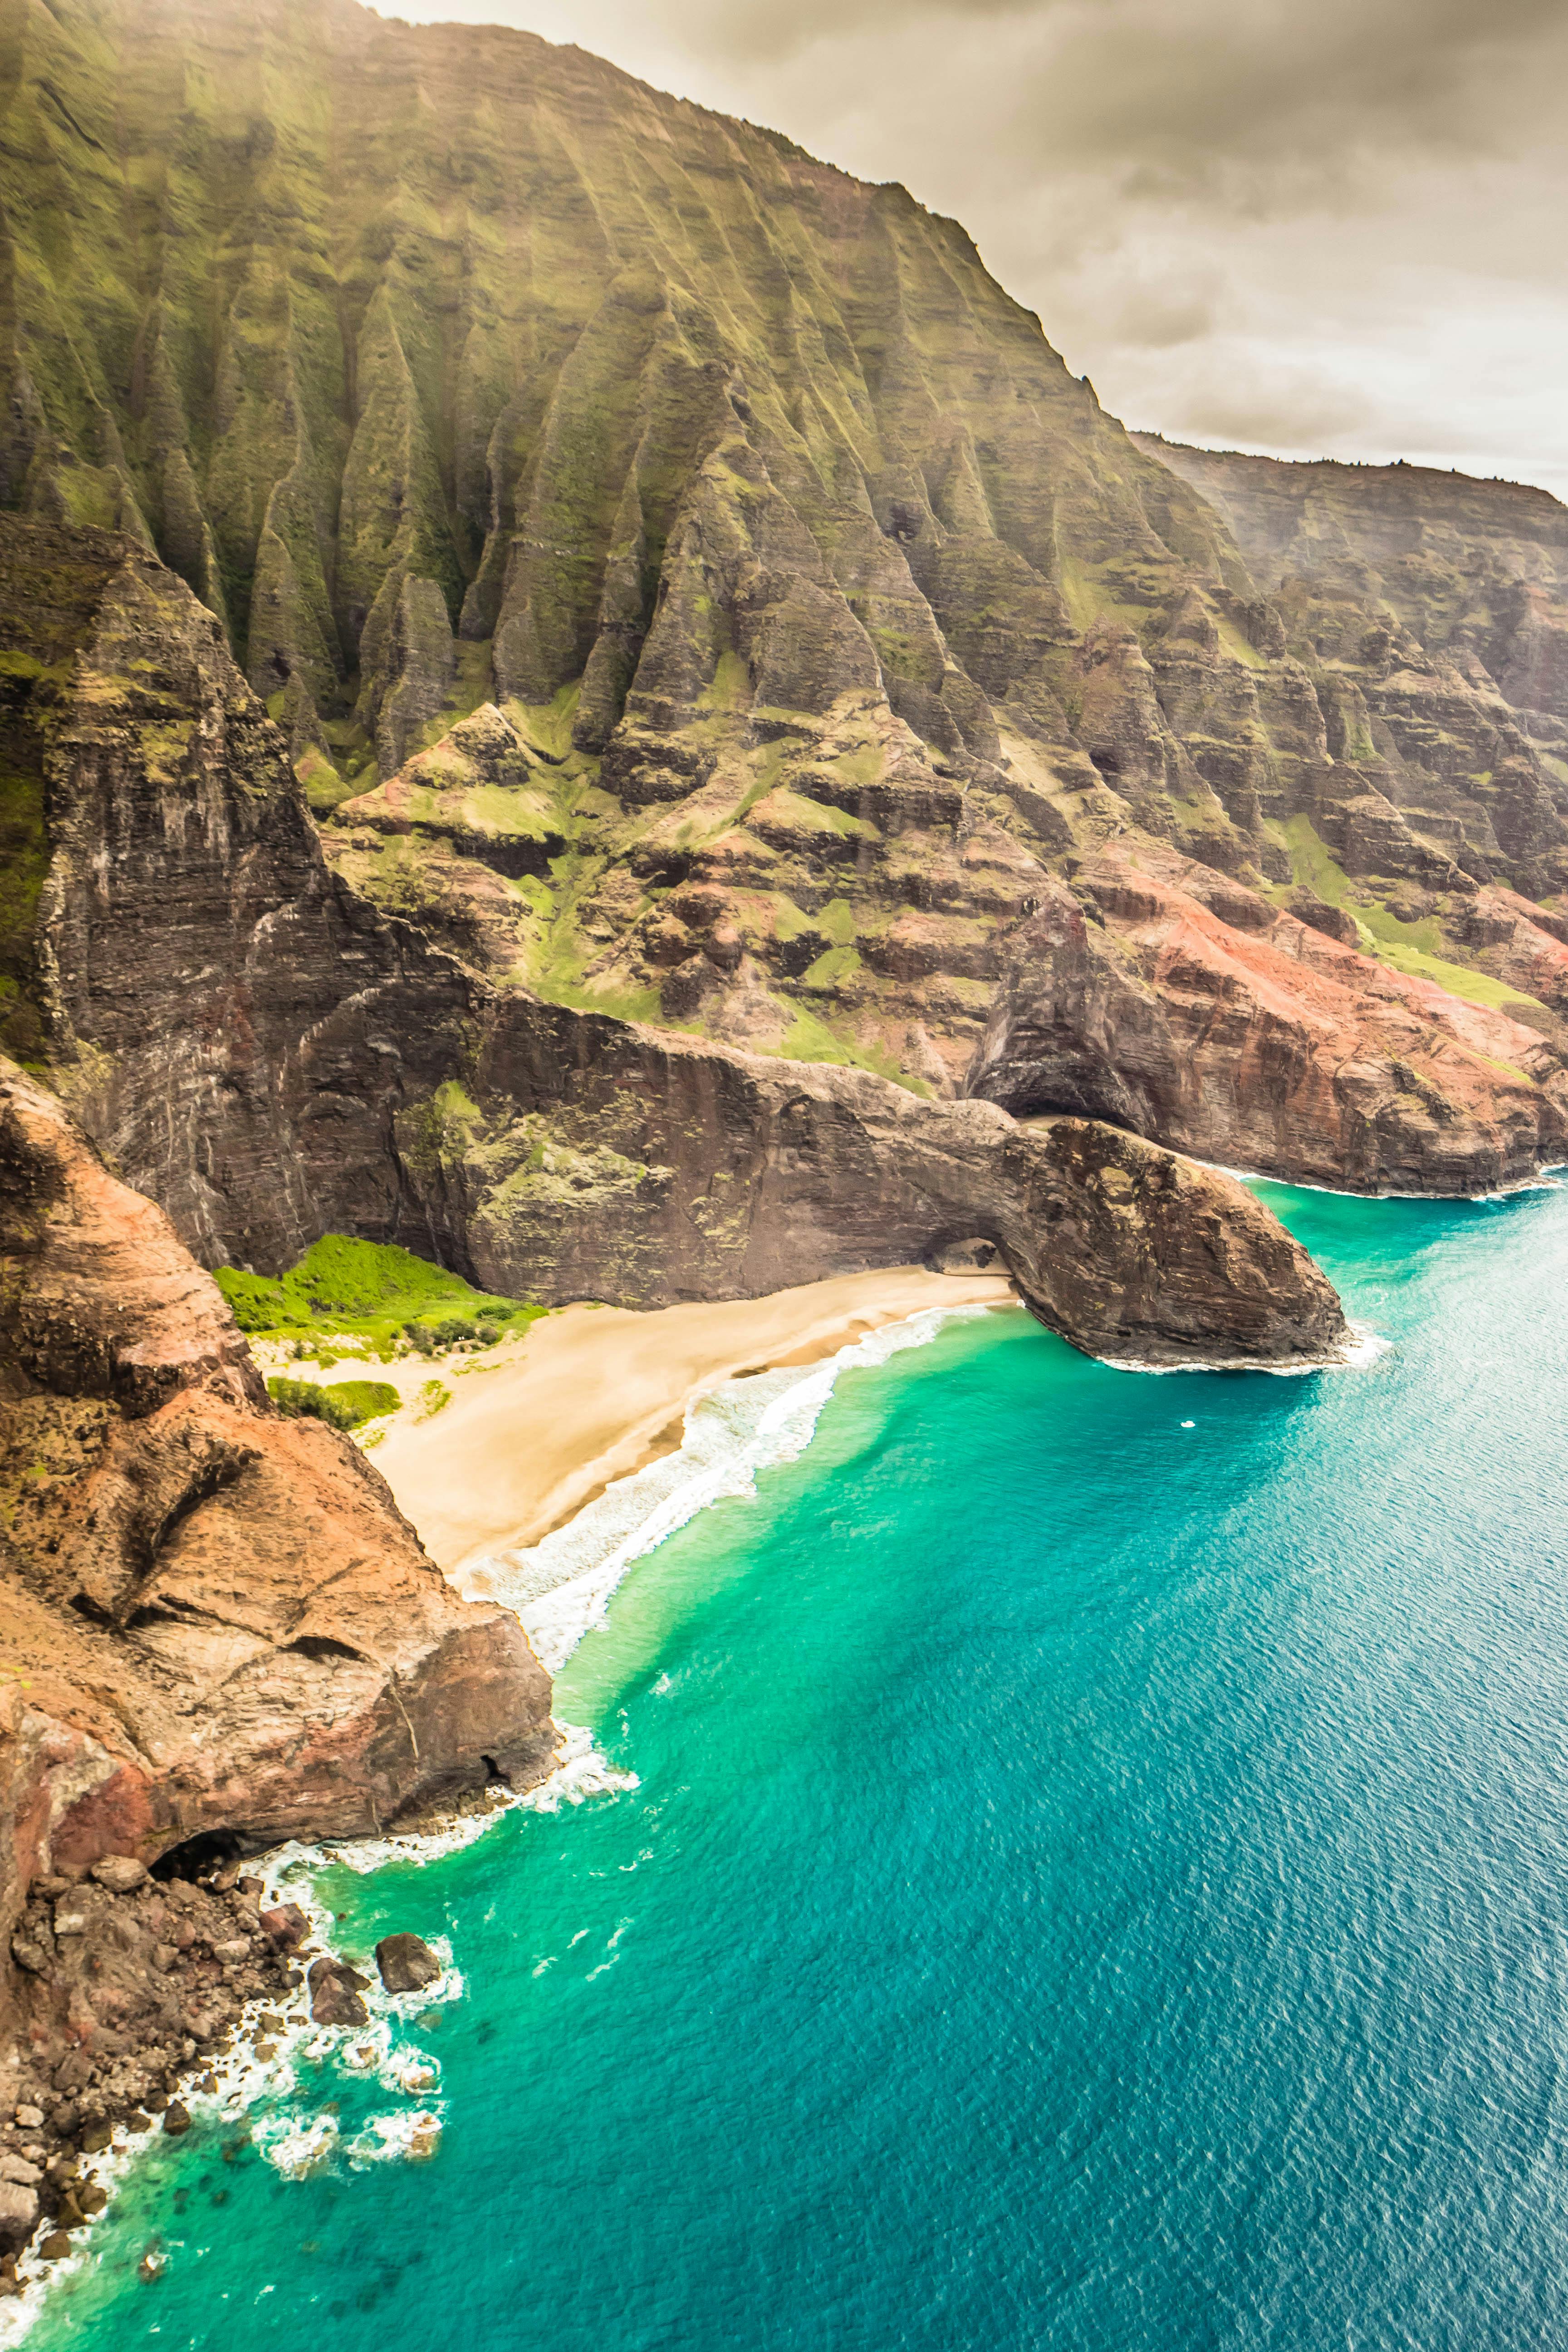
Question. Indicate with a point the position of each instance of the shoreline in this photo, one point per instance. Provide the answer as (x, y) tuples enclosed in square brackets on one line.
[(536, 1431), (678, 1357), (1546, 1178)]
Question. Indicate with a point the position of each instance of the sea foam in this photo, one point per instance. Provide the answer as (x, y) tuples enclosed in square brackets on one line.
[(561, 1586)]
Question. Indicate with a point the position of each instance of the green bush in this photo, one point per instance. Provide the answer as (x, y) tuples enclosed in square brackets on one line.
[(369, 1290), (428, 1336), (307, 1400), (345, 1405), (367, 1400)]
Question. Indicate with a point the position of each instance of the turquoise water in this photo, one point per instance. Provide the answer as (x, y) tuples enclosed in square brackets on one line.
[(1095, 1882)]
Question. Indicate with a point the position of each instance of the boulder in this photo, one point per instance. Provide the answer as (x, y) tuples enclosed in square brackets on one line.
[(406, 1963), (18, 2213), (335, 1989), (120, 1873), (287, 1925)]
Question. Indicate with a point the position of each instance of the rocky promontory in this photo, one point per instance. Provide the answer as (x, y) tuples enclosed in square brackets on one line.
[(216, 1631)]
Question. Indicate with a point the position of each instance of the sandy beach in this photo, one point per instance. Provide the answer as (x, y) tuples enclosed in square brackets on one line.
[(537, 1427)]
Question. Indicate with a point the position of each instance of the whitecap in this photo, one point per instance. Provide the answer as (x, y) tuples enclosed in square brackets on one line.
[(298, 2145), (411, 2137)]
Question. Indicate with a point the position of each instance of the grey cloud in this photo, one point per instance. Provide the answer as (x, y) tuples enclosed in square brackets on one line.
[(1305, 226)]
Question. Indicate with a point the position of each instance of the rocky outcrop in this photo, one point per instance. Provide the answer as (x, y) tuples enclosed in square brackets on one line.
[(406, 1963), (225, 1018), (1167, 997), (217, 1630), (595, 1159), (275, 1058), (125, 1985)]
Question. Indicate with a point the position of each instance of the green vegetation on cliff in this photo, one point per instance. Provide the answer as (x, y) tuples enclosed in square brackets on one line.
[(345, 1405), (364, 1290), (690, 587)]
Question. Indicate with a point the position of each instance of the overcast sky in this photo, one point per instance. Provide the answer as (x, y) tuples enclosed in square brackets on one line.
[(1313, 227)]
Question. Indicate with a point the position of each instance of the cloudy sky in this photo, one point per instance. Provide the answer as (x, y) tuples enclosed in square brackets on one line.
[(1314, 227)]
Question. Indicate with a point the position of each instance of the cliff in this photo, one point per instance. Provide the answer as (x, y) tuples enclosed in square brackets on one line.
[(215, 1630), (692, 587), (270, 1058), (1476, 571)]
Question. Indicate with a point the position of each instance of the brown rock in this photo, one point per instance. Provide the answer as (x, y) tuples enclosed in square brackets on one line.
[(177, 2119), (406, 1963), (1319, 915), (18, 2212), (1277, 1050), (287, 1925), (335, 1994), (55, 2246), (120, 1873), (190, 1552)]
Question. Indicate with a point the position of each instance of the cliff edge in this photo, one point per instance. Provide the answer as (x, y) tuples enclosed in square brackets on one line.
[(216, 1631)]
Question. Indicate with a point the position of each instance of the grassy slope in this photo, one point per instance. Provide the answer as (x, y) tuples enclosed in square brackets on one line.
[(366, 1291)]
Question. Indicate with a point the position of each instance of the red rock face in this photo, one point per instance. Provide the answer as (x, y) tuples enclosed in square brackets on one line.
[(212, 1619), (1172, 1000)]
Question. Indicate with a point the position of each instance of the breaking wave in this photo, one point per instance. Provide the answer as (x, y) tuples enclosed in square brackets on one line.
[(561, 1586)]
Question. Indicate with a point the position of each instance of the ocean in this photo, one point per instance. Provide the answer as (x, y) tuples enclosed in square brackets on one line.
[(1091, 1871)]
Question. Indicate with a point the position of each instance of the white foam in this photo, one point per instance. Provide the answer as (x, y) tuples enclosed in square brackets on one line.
[(1363, 1348), (298, 2145), (408, 2137), (561, 1586)]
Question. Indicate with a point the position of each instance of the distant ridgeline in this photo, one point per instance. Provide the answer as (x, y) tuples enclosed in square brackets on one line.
[(692, 590)]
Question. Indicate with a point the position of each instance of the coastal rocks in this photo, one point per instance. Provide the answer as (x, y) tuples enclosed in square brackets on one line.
[(19, 2212), (335, 1991), (286, 1924), (215, 1630), (120, 2019), (120, 1873), (1265, 1044), (406, 1963)]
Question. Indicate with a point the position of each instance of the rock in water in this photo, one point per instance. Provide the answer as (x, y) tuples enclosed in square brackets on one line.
[(335, 1989), (287, 1925), (406, 1963)]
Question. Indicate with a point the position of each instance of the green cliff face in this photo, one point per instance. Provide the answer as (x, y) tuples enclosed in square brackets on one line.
[(690, 586)]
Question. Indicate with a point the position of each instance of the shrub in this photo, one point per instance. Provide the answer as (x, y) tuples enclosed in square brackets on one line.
[(367, 1400), (344, 1406), (308, 1400)]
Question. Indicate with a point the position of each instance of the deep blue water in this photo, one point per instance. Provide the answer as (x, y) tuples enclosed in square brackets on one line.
[(1096, 1882)]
